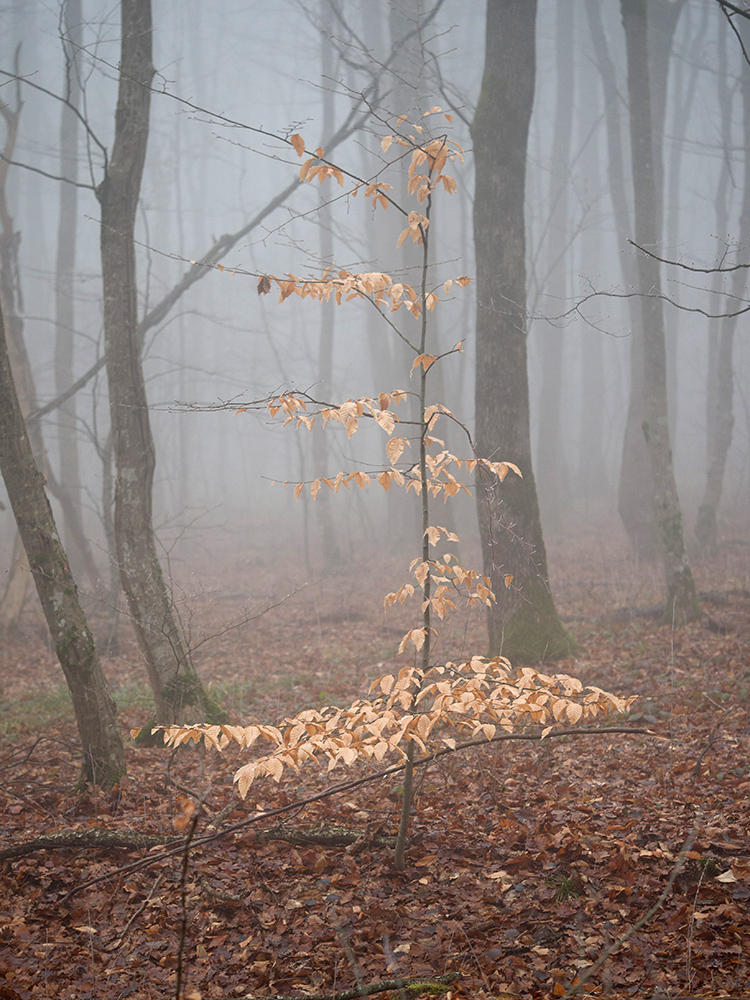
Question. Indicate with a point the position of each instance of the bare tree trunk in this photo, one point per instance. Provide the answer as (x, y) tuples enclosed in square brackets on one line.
[(328, 534), (524, 624), (173, 679), (721, 209), (69, 478), (721, 376), (682, 602), (553, 474), (96, 714), (19, 575), (14, 595), (634, 492), (591, 479), (635, 505)]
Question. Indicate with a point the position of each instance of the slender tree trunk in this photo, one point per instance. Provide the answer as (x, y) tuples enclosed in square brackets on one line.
[(173, 679), (687, 72), (328, 534), (591, 479), (721, 376), (19, 575), (553, 474), (69, 478), (721, 209), (96, 714), (14, 595), (524, 624), (682, 603), (635, 488), (634, 491)]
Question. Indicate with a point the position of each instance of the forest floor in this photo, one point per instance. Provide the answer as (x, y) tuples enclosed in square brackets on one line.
[(527, 860)]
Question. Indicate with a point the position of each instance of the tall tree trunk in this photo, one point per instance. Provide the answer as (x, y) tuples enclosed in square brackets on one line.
[(553, 474), (663, 22), (96, 714), (682, 603), (720, 376), (524, 624), (69, 478), (635, 488), (328, 534), (19, 574), (634, 492), (721, 210), (173, 679)]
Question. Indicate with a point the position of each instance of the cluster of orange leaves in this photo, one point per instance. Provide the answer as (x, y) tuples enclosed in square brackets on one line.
[(475, 699), (447, 577), (343, 286), (440, 479), (434, 154)]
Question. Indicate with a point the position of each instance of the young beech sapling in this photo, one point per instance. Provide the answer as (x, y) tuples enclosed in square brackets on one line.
[(426, 705)]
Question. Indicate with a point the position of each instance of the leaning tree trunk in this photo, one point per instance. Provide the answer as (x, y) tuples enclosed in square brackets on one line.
[(524, 624), (682, 602), (96, 714), (157, 626)]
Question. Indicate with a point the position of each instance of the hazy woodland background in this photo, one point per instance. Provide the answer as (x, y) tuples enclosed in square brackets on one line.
[(260, 64)]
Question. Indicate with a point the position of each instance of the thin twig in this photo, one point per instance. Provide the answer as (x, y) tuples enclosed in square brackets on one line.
[(119, 941), (183, 899), (678, 866)]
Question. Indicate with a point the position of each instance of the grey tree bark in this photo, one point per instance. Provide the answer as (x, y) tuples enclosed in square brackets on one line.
[(634, 492), (682, 602), (552, 470), (524, 624), (176, 686), (69, 477), (19, 575), (720, 375), (634, 496), (96, 714), (13, 599), (331, 549)]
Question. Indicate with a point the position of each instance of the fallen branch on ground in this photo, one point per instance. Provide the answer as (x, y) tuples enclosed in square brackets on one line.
[(411, 987), (128, 840)]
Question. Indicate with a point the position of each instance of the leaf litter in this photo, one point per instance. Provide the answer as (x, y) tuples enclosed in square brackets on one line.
[(527, 860)]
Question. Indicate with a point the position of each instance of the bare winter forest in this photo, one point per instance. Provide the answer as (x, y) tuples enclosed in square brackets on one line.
[(375, 504)]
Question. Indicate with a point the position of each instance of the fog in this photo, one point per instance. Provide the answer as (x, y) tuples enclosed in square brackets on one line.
[(229, 77)]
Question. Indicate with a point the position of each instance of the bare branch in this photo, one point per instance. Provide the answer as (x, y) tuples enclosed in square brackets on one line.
[(689, 267), (63, 100), (44, 173)]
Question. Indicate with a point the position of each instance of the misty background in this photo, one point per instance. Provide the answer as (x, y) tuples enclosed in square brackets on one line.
[(227, 68)]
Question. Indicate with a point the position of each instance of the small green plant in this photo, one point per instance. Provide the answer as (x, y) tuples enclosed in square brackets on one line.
[(568, 886)]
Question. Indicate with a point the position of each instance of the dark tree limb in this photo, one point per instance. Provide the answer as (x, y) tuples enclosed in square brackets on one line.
[(78, 839)]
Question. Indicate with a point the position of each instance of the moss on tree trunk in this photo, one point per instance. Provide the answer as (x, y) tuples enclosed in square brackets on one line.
[(534, 632)]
